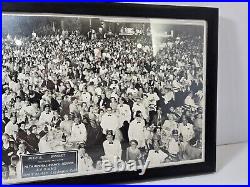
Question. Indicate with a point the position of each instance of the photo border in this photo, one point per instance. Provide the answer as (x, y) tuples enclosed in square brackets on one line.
[(210, 15)]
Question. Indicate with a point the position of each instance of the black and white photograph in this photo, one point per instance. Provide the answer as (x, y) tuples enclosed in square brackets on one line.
[(87, 94)]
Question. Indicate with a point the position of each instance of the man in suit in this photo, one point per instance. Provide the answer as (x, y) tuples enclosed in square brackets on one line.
[(49, 84)]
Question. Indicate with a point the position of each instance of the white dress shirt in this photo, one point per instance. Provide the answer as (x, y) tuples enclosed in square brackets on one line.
[(78, 133), (73, 108), (44, 145), (168, 96), (167, 129), (136, 132), (112, 150), (11, 128), (152, 98), (85, 163), (170, 125), (66, 126), (124, 113), (31, 110), (176, 85), (189, 101), (45, 117), (156, 158), (187, 131), (109, 122), (98, 91), (85, 97), (133, 91), (173, 147), (140, 107)]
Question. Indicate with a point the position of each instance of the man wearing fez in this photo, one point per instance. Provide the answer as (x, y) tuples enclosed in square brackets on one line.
[(112, 148)]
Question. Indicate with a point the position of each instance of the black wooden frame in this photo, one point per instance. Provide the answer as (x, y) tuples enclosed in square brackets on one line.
[(210, 15)]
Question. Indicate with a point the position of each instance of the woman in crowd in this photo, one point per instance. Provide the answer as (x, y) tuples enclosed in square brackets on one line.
[(133, 153)]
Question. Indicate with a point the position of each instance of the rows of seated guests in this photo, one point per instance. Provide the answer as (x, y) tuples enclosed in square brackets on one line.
[(105, 97)]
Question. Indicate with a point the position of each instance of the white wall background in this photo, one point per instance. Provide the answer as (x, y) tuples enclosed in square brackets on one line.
[(232, 120)]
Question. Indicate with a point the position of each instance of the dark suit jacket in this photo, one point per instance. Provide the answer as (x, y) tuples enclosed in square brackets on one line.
[(106, 102), (48, 84), (32, 141)]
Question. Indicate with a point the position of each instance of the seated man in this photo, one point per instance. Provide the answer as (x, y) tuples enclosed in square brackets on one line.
[(156, 156)]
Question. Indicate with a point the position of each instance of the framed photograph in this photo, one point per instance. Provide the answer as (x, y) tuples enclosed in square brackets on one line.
[(107, 92)]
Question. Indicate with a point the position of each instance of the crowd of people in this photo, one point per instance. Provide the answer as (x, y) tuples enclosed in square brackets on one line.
[(106, 98)]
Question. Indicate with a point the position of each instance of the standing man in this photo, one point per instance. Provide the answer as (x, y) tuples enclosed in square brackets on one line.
[(79, 132), (112, 148), (124, 117), (136, 130), (110, 122)]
